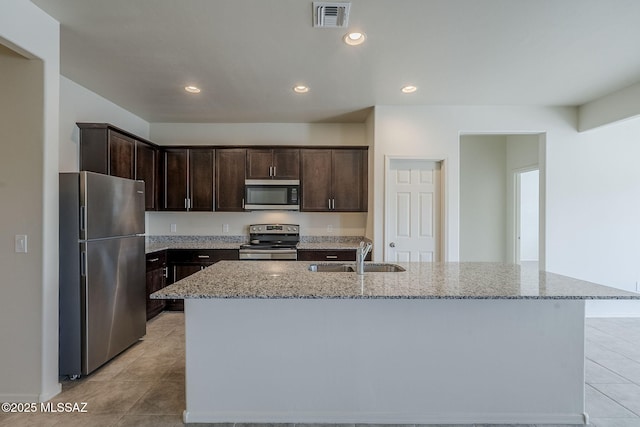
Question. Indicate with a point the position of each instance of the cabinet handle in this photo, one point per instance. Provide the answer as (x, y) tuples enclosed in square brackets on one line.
[(332, 256), (186, 203), (203, 256), (166, 272), (270, 170), (243, 203), (329, 204), (274, 171), (202, 267), (333, 204), (154, 259)]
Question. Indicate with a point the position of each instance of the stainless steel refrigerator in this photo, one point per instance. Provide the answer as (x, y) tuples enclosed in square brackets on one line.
[(102, 269)]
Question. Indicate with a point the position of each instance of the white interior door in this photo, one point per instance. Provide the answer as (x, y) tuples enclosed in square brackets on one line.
[(413, 204), (527, 216)]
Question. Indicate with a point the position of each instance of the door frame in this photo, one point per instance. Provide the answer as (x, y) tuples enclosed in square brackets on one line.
[(516, 173), (443, 238)]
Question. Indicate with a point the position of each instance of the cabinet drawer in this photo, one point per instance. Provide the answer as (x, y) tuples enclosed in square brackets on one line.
[(201, 256), (156, 260), (327, 255)]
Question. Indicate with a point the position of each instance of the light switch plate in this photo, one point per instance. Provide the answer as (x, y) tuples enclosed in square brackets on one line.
[(21, 243)]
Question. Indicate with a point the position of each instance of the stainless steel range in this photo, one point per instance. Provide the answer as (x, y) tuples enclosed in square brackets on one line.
[(271, 241)]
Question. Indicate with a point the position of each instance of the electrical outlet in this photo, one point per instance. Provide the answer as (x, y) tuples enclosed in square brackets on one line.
[(225, 228), (329, 228), (173, 228)]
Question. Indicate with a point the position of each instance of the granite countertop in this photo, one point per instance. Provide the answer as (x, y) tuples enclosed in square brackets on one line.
[(292, 279)]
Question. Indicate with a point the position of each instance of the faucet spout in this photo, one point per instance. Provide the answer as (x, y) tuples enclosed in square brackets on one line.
[(361, 254)]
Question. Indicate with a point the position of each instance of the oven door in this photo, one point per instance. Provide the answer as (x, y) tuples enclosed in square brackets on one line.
[(268, 254)]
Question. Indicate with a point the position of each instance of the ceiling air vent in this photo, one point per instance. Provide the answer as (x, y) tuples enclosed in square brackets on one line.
[(330, 15)]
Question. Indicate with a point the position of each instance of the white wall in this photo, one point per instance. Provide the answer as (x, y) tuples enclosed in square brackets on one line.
[(307, 134), (78, 104), (595, 203), (483, 209), (589, 194), (434, 131), (29, 190)]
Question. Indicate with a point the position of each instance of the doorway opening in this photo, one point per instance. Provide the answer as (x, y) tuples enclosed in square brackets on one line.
[(493, 169)]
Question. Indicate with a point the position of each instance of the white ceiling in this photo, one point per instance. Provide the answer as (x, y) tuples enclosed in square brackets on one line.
[(246, 55)]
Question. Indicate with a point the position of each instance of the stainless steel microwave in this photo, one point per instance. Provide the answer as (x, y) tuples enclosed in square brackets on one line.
[(266, 194)]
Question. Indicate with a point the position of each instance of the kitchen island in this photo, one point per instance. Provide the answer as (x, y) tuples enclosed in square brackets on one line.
[(439, 343)]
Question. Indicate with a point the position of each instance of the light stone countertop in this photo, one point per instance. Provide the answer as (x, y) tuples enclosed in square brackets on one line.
[(292, 279), (159, 243)]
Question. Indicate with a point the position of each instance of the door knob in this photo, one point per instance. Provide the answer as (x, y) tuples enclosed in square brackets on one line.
[(392, 245)]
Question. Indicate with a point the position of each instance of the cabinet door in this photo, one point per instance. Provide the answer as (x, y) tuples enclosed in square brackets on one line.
[(230, 173), (259, 163), (175, 179), (316, 179), (201, 179), (121, 155), (147, 170), (94, 149), (155, 281), (349, 178), (286, 162)]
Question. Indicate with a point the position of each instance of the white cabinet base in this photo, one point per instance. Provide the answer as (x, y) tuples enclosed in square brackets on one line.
[(390, 361)]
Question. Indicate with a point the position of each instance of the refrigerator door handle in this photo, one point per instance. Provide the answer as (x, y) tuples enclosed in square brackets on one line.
[(83, 263), (83, 225)]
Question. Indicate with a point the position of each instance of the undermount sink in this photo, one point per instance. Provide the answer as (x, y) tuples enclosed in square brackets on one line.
[(382, 268), (331, 268), (350, 268)]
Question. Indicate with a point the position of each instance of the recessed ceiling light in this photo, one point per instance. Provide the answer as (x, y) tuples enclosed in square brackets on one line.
[(301, 89), (409, 89), (354, 39), (192, 89)]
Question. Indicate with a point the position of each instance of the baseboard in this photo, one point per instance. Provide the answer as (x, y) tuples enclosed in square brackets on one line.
[(382, 418)]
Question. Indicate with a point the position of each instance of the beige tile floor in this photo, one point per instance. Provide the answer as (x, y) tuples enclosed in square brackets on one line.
[(144, 386)]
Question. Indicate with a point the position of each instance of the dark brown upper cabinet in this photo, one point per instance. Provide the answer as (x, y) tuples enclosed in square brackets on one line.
[(230, 175), (147, 160), (111, 151), (188, 179), (273, 163), (334, 180)]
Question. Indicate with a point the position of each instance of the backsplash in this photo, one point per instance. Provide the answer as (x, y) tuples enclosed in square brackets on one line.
[(244, 239)]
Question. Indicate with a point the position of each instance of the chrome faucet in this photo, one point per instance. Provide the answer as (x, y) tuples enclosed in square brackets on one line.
[(361, 254)]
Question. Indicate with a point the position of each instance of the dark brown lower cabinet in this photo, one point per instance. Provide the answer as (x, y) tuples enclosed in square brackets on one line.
[(156, 280), (185, 262), (329, 255)]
